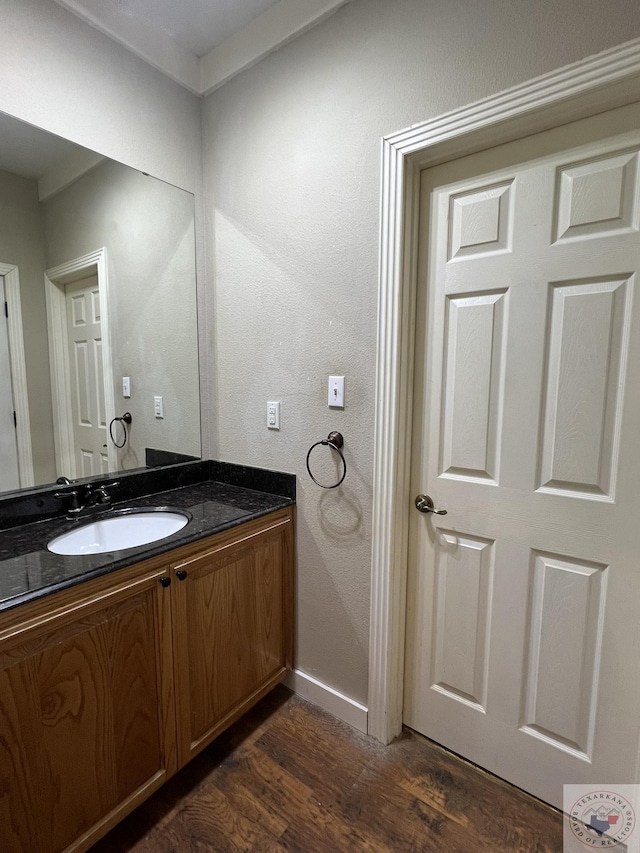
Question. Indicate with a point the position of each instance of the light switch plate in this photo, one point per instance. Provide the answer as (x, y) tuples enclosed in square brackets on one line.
[(126, 386), (336, 392), (273, 415), (158, 407)]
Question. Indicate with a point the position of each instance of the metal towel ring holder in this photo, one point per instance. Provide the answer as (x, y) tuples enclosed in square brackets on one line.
[(124, 420), (335, 441)]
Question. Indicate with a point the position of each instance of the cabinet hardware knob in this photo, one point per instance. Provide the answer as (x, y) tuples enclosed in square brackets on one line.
[(165, 581), (181, 574)]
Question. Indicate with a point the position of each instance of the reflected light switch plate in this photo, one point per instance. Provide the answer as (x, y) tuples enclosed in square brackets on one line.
[(273, 415)]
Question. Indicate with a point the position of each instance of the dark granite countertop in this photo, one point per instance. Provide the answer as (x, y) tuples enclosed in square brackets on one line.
[(28, 570)]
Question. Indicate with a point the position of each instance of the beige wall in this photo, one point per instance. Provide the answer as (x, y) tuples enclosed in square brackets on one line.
[(292, 160), (22, 244), (147, 228)]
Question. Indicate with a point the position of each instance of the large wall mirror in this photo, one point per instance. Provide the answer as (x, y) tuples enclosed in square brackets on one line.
[(98, 273)]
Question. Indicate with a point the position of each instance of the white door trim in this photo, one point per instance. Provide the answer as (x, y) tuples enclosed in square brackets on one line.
[(11, 275), (55, 280), (593, 85)]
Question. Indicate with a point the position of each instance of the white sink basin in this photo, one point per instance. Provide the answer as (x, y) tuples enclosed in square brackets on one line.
[(119, 532)]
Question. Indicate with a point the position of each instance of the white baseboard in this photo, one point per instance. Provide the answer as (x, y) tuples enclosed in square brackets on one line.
[(328, 699)]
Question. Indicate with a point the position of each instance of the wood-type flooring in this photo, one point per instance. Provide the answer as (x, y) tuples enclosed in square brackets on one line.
[(289, 776)]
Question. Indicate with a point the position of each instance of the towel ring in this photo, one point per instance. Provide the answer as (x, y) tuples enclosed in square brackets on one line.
[(335, 441), (124, 420)]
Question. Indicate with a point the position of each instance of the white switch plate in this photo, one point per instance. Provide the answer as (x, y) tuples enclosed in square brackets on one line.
[(126, 386), (273, 415), (158, 407), (336, 392)]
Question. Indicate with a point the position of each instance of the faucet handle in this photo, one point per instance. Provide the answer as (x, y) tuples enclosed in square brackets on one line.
[(72, 495), (102, 492)]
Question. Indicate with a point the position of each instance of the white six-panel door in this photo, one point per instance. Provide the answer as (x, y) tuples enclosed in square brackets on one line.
[(523, 618), (87, 377)]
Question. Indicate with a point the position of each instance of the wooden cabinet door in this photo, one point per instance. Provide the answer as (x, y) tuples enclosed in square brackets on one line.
[(232, 628), (87, 723)]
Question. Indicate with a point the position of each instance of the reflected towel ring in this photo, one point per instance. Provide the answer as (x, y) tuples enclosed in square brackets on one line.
[(335, 441), (124, 420)]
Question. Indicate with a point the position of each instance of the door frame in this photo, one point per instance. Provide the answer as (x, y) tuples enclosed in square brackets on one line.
[(11, 275), (55, 280), (594, 85)]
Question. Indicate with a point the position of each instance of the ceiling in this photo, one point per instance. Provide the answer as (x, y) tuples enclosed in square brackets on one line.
[(197, 25), (202, 43), (29, 151)]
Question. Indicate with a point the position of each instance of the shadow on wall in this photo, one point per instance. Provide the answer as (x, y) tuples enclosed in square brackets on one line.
[(340, 515)]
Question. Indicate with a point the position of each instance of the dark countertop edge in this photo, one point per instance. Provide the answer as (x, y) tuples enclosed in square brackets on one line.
[(143, 552), (39, 503), (257, 479)]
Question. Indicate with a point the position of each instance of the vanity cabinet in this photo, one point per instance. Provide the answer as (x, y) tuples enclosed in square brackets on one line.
[(108, 687), (232, 626), (86, 718)]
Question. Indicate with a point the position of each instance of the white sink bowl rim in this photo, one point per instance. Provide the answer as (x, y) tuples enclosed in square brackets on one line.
[(123, 529)]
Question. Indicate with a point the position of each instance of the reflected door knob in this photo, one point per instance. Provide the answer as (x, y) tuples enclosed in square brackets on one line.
[(425, 504)]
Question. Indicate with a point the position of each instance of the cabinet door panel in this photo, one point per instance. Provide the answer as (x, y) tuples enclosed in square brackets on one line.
[(21, 768), (82, 707), (231, 615), (74, 728), (230, 607)]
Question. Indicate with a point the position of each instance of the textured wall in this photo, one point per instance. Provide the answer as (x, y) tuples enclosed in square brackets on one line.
[(22, 243), (292, 160), (64, 76), (147, 227)]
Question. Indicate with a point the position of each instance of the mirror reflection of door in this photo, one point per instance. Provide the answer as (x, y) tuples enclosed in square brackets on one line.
[(86, 376), (8, 448)]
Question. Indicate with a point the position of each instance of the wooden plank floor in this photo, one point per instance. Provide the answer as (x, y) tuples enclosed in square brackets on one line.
[(288, 776)]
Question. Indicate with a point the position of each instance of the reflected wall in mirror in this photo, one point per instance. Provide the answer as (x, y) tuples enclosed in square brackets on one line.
[(97, 264)]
